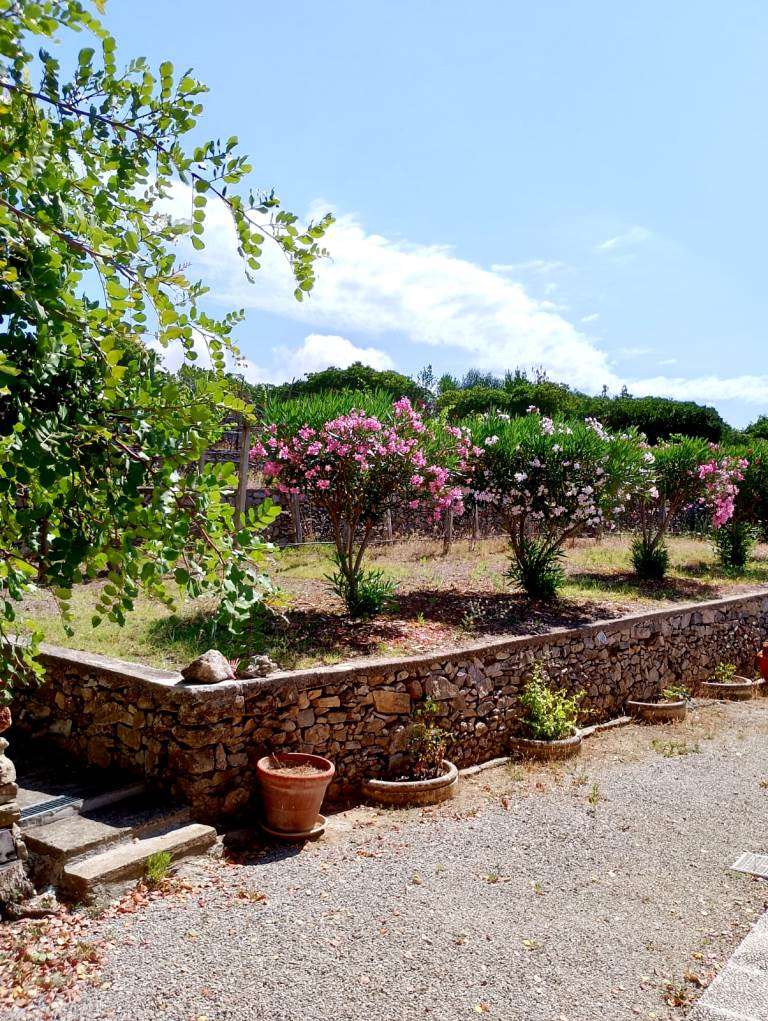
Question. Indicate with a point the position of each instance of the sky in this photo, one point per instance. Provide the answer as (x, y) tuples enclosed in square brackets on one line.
[(577, 185)]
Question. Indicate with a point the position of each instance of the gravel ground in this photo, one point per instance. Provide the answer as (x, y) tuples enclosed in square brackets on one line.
[(568, 893)]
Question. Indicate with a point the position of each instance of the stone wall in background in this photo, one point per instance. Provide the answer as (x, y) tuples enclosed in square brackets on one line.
[(202, 742)]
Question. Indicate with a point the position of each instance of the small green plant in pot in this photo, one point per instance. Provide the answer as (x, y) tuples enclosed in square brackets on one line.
[(551, 715), (675, 693), (724, 673), (427, 742), (550, 718), (427, 777)]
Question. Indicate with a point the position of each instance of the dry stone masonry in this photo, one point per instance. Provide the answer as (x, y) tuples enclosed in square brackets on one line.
[(202, 741)]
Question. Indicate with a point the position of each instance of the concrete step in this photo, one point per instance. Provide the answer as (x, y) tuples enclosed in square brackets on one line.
[(79, 834), (123, 862)]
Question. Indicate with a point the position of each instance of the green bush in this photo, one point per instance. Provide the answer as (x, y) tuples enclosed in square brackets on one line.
[(366, 594), (552, 480), (650, 562), (550, 715), (538, 569), (734, 542)]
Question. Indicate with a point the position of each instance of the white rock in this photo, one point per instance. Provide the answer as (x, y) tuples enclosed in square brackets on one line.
[(210, 668)]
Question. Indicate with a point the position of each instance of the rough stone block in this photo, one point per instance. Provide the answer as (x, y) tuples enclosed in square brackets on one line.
[(392, 702)]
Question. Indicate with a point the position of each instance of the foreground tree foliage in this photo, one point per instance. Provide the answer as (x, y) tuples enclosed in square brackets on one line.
[(98, 448)]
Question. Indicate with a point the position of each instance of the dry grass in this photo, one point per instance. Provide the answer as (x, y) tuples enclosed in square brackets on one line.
[(443, 601)]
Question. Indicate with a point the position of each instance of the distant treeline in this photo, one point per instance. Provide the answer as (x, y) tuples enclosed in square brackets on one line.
[(478, 392)]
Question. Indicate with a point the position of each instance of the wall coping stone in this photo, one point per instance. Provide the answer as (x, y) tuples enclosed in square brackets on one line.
[(177, 689)]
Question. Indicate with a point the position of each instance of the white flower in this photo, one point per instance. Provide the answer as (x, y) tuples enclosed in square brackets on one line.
[(491, 440)]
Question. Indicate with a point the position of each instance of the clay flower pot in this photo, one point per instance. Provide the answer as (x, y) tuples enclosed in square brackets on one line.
[(401, 793), (545, 751), (293, 785), (657, 712), (761, 661), (740, 689)]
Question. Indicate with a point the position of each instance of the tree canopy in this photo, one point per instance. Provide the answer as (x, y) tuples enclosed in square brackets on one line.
[(657, 418), (98, 447)]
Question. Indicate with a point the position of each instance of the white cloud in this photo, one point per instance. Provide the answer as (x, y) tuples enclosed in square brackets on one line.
[(627, 239), (424, 294), (591, 318), (668, 361), (320, 350), (541, 266), (633, 352), (712, 389)]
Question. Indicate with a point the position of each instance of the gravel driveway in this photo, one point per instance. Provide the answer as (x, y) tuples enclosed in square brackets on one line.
[(558, 893)]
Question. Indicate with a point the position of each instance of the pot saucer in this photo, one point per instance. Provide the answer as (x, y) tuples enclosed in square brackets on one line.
[(317, 831)]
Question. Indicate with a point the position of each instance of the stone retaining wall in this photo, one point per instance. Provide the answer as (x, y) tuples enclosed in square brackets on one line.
[(202, 742)]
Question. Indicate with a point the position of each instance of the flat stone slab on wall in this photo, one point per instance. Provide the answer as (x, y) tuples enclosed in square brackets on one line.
[(202, 742)]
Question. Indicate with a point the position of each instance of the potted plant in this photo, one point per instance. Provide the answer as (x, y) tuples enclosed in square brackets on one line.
[(549, 722), (672, 704), (427, 777), (726, 683), (293, 785)]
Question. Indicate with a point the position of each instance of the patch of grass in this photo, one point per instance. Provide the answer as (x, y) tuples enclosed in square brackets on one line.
[(156, 869), (674, 749)]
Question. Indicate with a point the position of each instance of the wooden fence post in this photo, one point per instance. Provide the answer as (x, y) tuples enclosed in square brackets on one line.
[(388, 524), (296, 515), (243, 470), (448, 533)]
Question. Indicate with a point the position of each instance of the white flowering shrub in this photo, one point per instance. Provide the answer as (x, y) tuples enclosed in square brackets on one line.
[(551, 481)]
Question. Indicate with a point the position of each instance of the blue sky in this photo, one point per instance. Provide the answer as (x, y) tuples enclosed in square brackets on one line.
[(579, 185)]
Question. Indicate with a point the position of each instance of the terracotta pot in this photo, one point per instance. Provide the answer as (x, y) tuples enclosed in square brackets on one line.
[(740, 689), (761, 660), (414, 792), (657, 712), (292, 802), (545, 751)]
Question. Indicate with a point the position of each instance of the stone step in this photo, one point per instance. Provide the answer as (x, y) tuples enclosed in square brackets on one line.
[(128, 861), (79, 834), (38, 809)]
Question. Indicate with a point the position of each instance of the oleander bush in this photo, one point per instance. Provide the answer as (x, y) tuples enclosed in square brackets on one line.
[(551, 481)]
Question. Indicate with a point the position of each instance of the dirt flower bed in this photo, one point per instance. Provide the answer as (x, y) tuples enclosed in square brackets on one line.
[(441, 602)]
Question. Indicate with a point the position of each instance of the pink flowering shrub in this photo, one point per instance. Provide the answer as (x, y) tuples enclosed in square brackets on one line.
[(721, 478), (551, 481), (687, 473), (354, 454)]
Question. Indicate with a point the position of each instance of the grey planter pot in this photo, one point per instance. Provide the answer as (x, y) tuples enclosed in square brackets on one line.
[(545, 751), (401, 793), (657, 712), (740, 689)]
